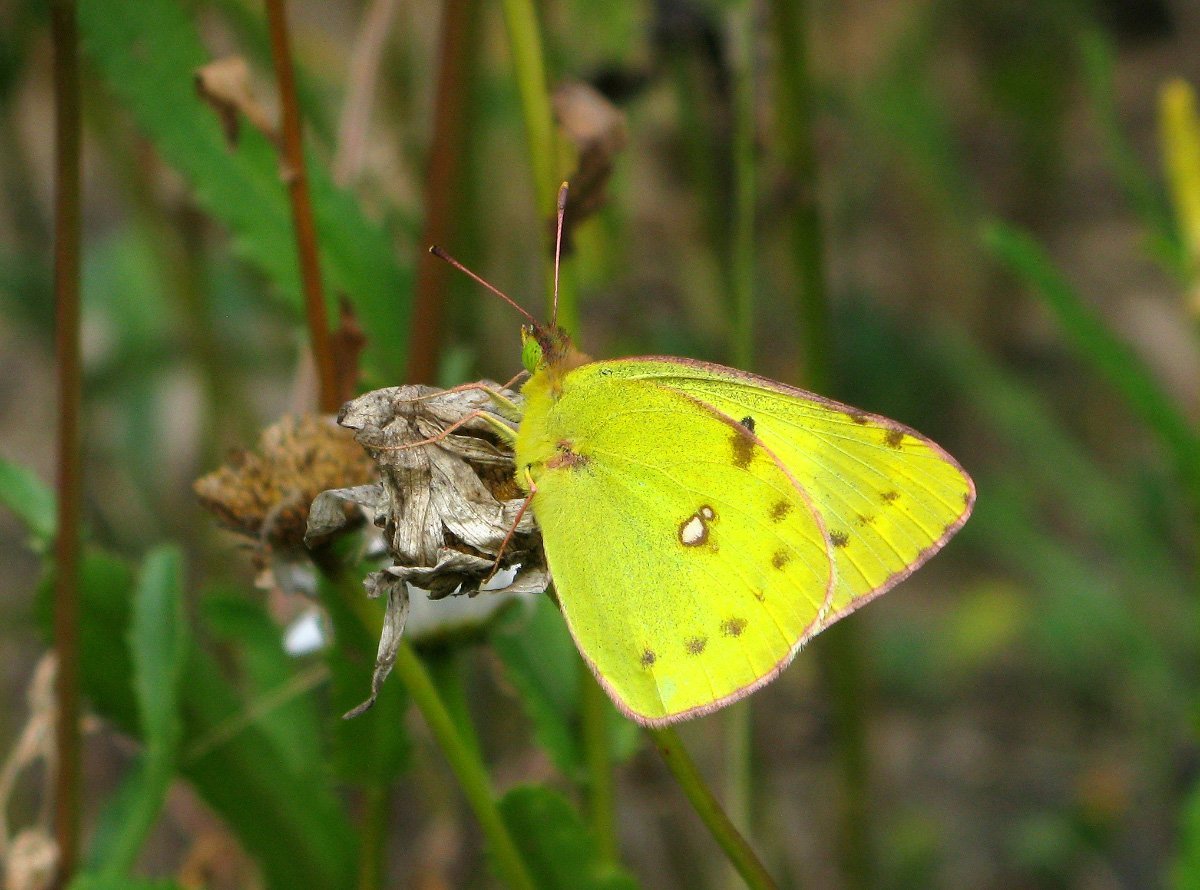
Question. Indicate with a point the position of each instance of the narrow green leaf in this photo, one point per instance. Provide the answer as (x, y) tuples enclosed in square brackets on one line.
[(542, 664), (1097, 344), (31, 499), (1141, 190), (290, 718), (148, 52), (157, 642), (293, 824), (559, 849)]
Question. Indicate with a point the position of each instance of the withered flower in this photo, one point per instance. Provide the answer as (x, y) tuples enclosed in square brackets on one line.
[(445, 500), (265, 494)]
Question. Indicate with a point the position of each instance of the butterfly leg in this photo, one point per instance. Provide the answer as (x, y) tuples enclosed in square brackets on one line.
[(505, 432), (506, 406), (512, 530)]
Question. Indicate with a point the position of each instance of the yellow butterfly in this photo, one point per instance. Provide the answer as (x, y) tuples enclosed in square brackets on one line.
[(701, 524)]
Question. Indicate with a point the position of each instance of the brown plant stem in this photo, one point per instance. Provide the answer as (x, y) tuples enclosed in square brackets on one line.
[(296, 177), (443, 184), (68, 774)]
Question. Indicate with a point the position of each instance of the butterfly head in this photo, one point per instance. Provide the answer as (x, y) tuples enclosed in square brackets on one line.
[(545, 346)]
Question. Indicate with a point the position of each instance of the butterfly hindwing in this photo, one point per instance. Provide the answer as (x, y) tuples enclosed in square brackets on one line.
[(689, 564), (888, 497)]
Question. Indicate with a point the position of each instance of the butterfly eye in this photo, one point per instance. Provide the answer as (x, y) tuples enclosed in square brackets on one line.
[(532, 356)]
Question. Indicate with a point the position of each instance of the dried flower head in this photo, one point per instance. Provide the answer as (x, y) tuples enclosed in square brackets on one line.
[(265, 494)]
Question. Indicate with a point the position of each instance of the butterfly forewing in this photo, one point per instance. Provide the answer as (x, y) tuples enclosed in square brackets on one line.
[(689, 564), (888, 497)]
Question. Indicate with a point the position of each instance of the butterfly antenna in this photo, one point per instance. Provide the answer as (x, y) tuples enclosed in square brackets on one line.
[(442, 255), (562, 211)]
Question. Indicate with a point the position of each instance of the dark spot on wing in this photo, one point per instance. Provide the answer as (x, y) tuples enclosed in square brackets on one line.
[(858, 417), (781, 558), (696, 645), (760, 596), (565, 458), (967, 498), (733, 627), (742, 442), (780, 510), (748, 422), (648, 658), (865, 519), (839, 539), (889, 496), (893, 438)]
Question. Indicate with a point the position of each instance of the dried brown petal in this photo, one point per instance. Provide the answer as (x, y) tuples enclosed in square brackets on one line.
[(265, 494), (225, 85), (597, 129)]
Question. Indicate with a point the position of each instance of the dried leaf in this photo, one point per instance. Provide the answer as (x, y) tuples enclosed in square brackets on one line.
[(597, 129), (225, 85)]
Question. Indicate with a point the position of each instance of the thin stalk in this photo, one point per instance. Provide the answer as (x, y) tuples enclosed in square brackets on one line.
[(68, 774), (744, 185), (601, 794), (839, 650), (525, 42), (445, 665), (373, 837), (296, 176), (444, 179), (740, 854), (739, 733), (470, 771), (463, 757)]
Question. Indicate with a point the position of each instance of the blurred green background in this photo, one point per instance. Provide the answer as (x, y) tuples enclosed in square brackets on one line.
[(1007, 225)]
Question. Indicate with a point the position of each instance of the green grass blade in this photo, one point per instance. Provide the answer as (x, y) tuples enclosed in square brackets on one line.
[(1098, 345)]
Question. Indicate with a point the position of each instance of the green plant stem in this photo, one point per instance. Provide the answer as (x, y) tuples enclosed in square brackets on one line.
[(444, 181), (795, 123), (740, 854), (741, 26), (296, 177), (524, 37), (739, 734), (1097, 344), (68, 774), (525, 42), (601, 796), (373, 837), (471, 774), (463, 757), (839, 650)]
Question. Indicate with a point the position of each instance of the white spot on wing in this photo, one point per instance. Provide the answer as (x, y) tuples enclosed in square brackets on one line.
[(692, 532)]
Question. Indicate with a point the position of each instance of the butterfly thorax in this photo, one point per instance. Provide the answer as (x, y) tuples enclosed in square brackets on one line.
[(543, 442)]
